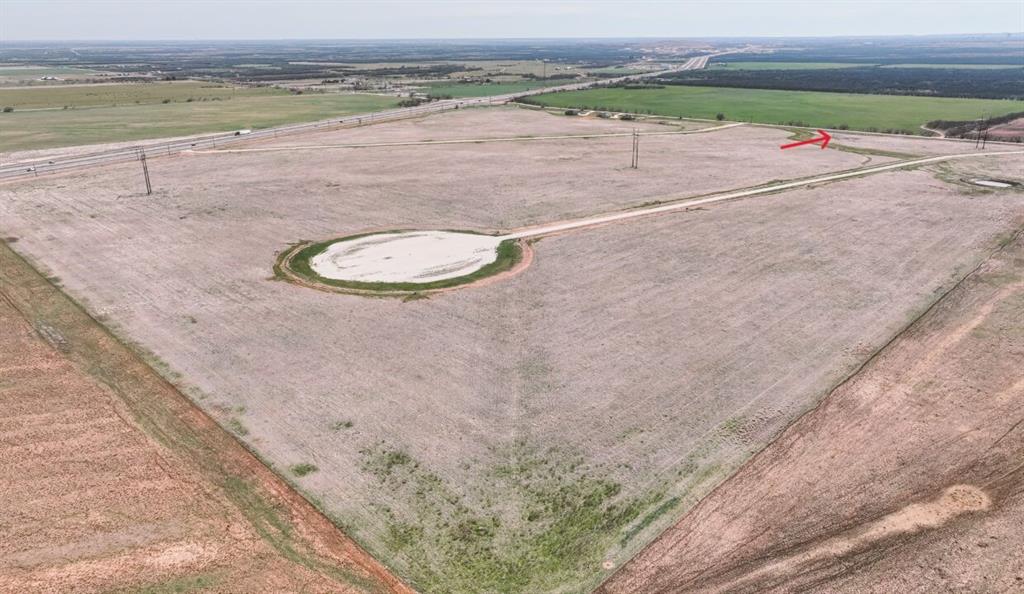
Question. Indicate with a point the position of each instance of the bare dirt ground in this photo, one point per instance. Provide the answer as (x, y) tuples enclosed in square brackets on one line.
[(1014, 130), (907, 478), (496, 438), (374, 134), (912, 144), (99, 496), (481, 122)]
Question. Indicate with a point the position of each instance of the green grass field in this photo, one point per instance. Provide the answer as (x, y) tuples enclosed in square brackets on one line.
[(783, 65), (23, 130), (859, 112), (474, 90), (23, 74), (116, 94)]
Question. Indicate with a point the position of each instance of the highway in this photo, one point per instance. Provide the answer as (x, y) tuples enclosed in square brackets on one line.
[(160, 149)]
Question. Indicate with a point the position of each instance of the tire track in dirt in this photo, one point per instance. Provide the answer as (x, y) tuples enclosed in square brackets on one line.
[(112, 479), (908, 449), (927, 515)]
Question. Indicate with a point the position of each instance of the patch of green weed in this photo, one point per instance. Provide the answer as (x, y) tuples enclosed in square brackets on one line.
[(303, 469)]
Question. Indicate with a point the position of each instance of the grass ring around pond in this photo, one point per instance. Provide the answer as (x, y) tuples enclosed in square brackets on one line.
[(402, 262)]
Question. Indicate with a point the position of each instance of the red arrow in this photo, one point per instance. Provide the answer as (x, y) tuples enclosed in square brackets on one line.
[(823, 139)]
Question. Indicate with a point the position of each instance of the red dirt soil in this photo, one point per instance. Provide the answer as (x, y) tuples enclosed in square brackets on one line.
[(907, 478), (1010, 130), (111, 480)]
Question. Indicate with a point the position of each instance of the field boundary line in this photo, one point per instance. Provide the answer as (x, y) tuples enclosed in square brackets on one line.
[(462, 141), (163, 413), (850, 377)]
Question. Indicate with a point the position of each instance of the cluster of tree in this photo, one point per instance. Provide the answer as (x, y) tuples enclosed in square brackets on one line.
[(556, 76), (305, 59), (603, 111), (288, 71), (997, 83), (965, 128), (194, 99), (412, 102), (120, 79), (635, 86), (930, 49)]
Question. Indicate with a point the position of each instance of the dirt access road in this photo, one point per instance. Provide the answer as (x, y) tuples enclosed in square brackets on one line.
[(423, 256), (644, 212), (111, 480), (907, 478)]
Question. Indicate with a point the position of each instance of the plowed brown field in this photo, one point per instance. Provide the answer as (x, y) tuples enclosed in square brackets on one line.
[(908, 478), (111, 480)]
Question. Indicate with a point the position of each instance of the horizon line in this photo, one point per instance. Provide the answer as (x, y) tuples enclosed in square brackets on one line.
[(9, 41)]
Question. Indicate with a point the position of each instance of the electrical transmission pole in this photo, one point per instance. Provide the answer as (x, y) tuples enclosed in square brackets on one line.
[(145, 171), (635, 163), (981, 129)]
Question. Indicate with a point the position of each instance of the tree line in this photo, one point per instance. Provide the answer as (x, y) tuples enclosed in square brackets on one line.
[(997, 83)]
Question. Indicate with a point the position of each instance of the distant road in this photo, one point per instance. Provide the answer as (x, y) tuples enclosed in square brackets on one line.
[(158, 149)]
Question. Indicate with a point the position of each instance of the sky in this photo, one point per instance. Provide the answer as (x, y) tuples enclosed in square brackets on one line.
[(22, 20)]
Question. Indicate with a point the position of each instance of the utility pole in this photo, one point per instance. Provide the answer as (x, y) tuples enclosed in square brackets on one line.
[(145, 170), (635, 163), (984, 138)]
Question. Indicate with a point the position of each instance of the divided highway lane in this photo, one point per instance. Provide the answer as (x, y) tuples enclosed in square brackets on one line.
[(158, 149)]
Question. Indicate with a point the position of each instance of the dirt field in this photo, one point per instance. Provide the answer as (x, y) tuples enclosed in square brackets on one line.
[(914, 145), (851, 498), (477, 123), (98, 494), (496, 438), (1009, 130)]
